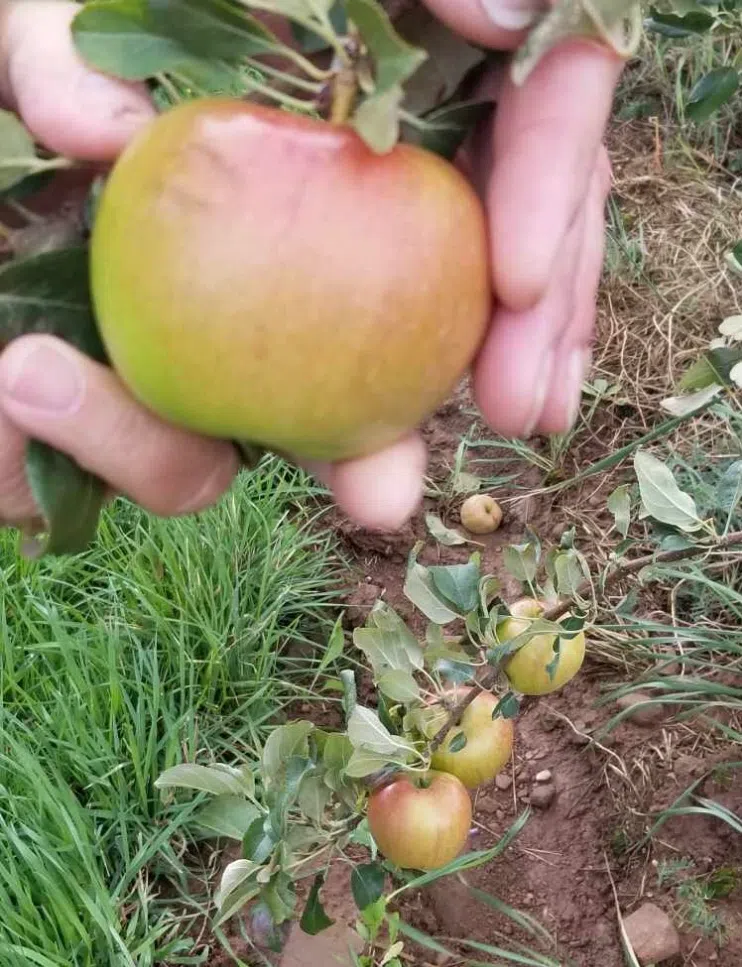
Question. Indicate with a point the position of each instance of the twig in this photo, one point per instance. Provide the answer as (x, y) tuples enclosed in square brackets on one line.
[(558, 610)]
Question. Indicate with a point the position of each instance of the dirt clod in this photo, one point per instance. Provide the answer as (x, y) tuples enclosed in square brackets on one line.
[(503, 781), (542, 795), (652, 935), (641, 714), (543, 776)]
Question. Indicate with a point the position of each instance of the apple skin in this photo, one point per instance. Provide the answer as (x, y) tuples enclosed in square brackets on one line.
[(526, 670), (489, 743), (481, 514), (263, 276), (420, 828)]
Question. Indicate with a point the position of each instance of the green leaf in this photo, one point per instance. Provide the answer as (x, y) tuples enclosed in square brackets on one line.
[(385, 650), (70, 500), (674, 25), (714, 366), (395, 60), (444, 535), (568, 572), (365, 762), (314, 797), (399, 686), (228, 816), (729, 488), (259, 841), (521, 560), (335, 646), (376, 119), (713, 90), (420, 590), (218, 781), (442, 132), (662, 499), (211, 29), (383, 616), (451, 60), (367, 884), (458, 584), (458, 742), (239, 885), (49, 293), (619, 504), (366, 731), (17, 151), (117, 37), (508, 707), (280, 898), (283, 743), (314, 919), (692, 403)]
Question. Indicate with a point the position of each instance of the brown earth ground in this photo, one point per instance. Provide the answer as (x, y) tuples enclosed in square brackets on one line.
[(581, 860)]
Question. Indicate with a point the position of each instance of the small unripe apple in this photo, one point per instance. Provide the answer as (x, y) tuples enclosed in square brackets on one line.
[(527, 670), (489, 743), (481, 514)]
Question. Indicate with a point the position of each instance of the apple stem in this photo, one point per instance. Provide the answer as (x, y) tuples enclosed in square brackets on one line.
[(344, 92)]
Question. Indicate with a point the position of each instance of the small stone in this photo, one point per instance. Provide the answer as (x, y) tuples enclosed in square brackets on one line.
[(442, 959), (500, 814), (652, 935), (539, 755), (530, 754), (543, 776), (503, 780), (542, 796), (523, 796), (487, 805), (642, 715)]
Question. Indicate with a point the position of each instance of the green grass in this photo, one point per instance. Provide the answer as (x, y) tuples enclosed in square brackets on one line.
[(161, 645)]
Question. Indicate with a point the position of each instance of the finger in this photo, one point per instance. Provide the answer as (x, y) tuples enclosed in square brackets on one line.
[(16, 502), (53, 393), (380, 492), (492, 23), (517, 363), (574, 355), (69, 108), (546, 139)]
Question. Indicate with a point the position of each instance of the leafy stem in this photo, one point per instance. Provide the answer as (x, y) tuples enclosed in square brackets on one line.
[(563, 605)]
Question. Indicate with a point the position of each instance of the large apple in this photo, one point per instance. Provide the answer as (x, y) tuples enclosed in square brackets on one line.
[(527, 669), (489, 743), (265, 276), (420, 823)]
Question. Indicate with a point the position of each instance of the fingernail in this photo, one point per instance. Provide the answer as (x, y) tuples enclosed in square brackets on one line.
[(512, 14), (577, 367), (45, 379), (540, 392)]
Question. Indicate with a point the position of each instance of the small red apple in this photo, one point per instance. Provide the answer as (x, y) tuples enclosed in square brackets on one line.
[(420, 823)]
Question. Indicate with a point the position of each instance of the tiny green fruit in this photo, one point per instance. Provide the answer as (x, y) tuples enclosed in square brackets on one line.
[(489, 743), (527, 670), (263, 276)]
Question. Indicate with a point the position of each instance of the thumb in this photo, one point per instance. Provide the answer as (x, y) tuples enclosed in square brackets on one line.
[(68, 107), (491, 23)]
